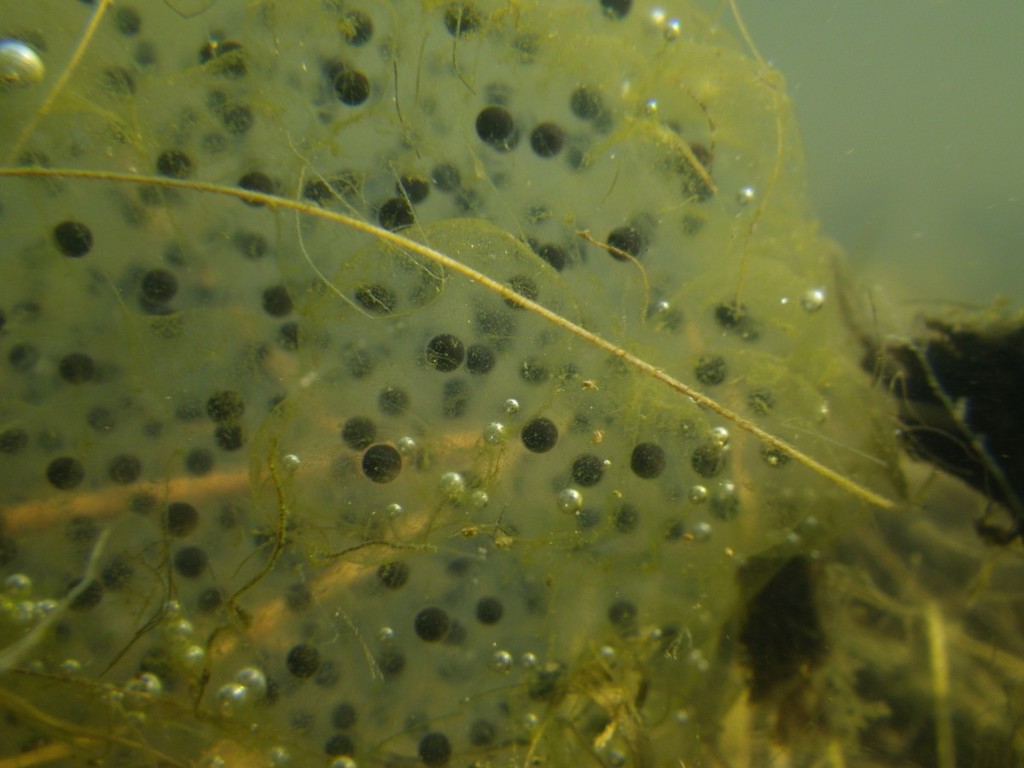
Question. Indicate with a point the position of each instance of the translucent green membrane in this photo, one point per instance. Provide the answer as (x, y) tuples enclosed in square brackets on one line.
[(353, 504)]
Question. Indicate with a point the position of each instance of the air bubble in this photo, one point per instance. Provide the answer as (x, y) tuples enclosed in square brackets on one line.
[(570, 501), (746, 196), (394, 509), (529, 660), (407, 446), (386, 634), (697, 494), (232, 697), (702, 531), (20, 65), (501, 662), (18, 585), (813, 299), (720, 436), (254, 679), (478, 499), (495, 433), (510, 406), (452, 485)]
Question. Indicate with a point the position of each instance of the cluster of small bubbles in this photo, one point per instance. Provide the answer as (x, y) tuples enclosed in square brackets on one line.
[(701, 531), (720, 436), (478, 499), (386, 635), (394, 509), (529, 660), (495, 433), (452, 485), (407, 446), (570, 501), (746, 196), (501, 662), (20, 65), (510, 406), (813, 299), (698, 494), (291, 462)]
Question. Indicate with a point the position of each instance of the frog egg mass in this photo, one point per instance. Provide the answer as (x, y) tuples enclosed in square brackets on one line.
[(412, 383)]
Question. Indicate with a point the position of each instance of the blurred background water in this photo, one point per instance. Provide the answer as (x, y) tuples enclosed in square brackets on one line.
[(912, 114)]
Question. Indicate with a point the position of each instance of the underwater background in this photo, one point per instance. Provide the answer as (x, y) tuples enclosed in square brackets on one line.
[(909, 113)]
